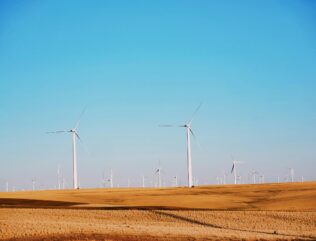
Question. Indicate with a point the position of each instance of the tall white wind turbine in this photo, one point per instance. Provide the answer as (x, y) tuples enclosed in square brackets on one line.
[(75, 135), (189, 132)]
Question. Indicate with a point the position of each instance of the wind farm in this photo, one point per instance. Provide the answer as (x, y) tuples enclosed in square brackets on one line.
[(162, 204), (157, 120)]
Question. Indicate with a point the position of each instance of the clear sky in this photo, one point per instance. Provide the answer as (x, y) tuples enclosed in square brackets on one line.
[(138, 64)]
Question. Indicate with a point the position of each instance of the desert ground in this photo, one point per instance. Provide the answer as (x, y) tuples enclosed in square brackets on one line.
[(285, 211)]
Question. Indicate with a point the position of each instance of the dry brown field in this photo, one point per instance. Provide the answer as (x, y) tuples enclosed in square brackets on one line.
[(284, 211)]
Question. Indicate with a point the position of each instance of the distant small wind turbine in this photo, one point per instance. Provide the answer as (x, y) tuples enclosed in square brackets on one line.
[(196, 182), (7, 186), (189, 133), (110, 179), (261, 178), (33, 184), (224, 177), (292, 174), (158, 171), (234, 169), (74, 150), (63, 182), (143, 181), (175, 181), (59, 181), (253, 175), (239, 179)]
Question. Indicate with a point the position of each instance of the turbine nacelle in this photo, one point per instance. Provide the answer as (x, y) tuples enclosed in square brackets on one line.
[(186, 126)]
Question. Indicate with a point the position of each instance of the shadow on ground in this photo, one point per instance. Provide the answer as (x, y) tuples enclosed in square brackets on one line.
[(33, 203), (196, 222)]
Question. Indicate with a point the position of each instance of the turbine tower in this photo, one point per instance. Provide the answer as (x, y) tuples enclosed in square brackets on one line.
[(75, 135), (189, 132)]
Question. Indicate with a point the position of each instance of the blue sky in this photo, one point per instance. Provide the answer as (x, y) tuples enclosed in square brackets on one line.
[(138, 64)]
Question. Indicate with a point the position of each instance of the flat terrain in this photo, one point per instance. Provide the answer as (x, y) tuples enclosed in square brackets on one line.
[(284, 211)]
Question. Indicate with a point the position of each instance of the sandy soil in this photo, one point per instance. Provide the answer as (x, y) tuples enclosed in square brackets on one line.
[(242, 212)]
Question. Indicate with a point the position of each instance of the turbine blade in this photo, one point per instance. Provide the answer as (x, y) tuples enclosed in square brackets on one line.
[(194, 136), (166, 125), (51, 132), (194, 113), (232, 168), (78, 136), (78, 122)]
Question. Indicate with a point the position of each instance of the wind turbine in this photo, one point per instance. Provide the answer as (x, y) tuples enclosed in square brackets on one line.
[(63, 182), (143, 181), (33, 184), (109, 179), (103, 180), (189, 133), (58, 177), (292, 174), (75, 135), (261, 178), (196, 182), (234, 169), (253, 175), (158, 171), (7, 186), (175, 181), (224, 177), (218, 180)]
